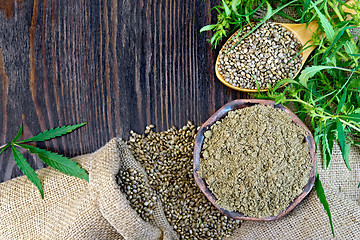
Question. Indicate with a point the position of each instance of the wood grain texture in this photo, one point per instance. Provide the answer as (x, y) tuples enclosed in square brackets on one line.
[(118, 65)]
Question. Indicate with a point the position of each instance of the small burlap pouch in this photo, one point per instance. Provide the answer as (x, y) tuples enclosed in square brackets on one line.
[(76, 209)]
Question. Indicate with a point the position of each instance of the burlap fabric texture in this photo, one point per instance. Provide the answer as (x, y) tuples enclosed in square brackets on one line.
[(75, 209)]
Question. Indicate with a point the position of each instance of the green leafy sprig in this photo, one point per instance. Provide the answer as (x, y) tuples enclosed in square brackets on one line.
[(328, 92), (235, 14), (231, 15), (52, 159)]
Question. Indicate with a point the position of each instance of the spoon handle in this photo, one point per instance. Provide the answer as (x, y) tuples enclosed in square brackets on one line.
[(347, 10)]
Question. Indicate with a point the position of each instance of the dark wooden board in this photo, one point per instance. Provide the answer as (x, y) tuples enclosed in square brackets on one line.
[(117, 65)]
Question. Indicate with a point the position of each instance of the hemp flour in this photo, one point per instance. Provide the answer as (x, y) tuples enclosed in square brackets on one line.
[(255, 161)]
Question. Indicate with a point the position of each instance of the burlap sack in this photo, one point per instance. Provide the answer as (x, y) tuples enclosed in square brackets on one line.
[(75, 209)]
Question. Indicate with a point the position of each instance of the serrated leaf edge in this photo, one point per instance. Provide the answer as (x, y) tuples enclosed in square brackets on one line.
[(74, 170), (342, 141), (18, 133), (53, 133), (26, 169)]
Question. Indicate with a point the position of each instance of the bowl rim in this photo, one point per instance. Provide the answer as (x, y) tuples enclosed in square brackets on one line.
[(221, 113)]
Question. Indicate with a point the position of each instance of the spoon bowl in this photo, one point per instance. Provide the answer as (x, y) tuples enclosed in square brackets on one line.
[(301, 32)]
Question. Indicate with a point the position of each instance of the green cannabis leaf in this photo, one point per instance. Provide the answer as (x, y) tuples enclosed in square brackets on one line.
[(235, 13), (58, 162), (328, 28), (53, 133), (25, 167), (54, 160), (343, 145), (321, 195)]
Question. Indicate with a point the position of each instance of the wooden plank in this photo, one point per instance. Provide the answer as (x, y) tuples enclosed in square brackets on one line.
[(118, 65)]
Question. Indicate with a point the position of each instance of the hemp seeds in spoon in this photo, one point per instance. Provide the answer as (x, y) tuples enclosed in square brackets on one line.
[(266, 54), (255, 161)]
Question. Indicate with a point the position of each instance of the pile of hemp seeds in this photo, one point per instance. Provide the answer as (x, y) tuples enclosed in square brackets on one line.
[(141, 197), (167, 158), (269, 54), (255, 161)]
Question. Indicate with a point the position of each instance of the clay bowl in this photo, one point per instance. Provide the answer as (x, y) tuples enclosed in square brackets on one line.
[(221, 113)]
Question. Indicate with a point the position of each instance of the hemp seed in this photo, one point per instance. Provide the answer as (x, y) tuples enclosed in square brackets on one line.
[(271, 49), (167, 159)]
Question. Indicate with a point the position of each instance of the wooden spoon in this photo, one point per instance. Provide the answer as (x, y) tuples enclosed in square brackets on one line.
[(301, 32)]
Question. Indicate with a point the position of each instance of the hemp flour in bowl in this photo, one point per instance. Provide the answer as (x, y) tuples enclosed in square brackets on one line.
[(254, 160)]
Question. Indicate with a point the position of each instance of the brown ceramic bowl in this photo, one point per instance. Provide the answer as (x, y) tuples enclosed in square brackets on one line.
[(221, 113)]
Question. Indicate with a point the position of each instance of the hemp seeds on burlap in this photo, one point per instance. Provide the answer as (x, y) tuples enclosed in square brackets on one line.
[(167, 159), (76, 209)]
